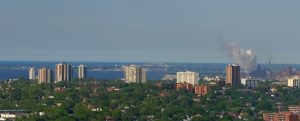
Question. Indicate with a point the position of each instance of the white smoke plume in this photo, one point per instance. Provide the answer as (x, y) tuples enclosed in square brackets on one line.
[(246, 59)]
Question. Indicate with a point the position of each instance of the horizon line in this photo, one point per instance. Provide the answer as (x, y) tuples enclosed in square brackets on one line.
[(74, 61)]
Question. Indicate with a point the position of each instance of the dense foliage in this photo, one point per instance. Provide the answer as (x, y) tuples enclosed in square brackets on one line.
[(88, 100)]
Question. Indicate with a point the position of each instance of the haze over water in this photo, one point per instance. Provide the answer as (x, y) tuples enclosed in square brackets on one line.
[(148, 30)]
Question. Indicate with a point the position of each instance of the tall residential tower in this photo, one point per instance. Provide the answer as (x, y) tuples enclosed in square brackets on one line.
[(32, 75), (82, 72), (134, 74), (233, 75), (64, 72), (44, 75)]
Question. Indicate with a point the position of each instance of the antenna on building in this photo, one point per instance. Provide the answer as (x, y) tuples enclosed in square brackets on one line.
[(269, 64)]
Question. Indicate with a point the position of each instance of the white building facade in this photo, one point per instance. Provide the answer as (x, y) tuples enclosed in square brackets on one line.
[(135, 74), (188, 77), (82, 74), (32, 74), (294, 81)]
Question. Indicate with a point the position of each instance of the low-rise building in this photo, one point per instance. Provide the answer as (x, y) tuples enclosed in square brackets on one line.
[(285, 116), (12, 114), (59, 89), (186, 86), (165, 85), (221, 83), (280, 116), (8, 116), (201, 89), (250, 83), (268, 116), (169, 77), (164, 94), (113, 89), (295, 109)]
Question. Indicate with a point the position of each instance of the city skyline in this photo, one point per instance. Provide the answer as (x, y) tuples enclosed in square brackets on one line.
[(149, 60), (148, 31)]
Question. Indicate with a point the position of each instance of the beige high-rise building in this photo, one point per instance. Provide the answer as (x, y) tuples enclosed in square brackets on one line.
[(32, 75), (82, 72), (44, 75), (294, 81), (135, 74), (233, 75), (187, 77), (64, 72)]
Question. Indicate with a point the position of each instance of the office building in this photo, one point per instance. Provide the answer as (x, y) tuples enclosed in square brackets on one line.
[(233, 75), (44, 75), (135, 74), (82, 72), (187, 77), (64, 72), (32, 74), (294, 81)]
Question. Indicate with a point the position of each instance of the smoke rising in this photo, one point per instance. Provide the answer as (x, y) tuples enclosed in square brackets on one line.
[(246, 59)]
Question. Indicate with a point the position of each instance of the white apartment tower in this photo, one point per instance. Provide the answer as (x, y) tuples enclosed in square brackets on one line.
[(134, 74), (81, 72), (188, 77), (32, 75)]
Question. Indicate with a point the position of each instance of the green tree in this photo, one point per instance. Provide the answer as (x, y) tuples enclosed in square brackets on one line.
[(81, 111)]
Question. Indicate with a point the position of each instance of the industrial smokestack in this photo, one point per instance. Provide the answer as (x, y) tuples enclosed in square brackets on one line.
[(244, 58)]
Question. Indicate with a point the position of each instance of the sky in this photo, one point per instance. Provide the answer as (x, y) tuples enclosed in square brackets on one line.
[(148, 30)]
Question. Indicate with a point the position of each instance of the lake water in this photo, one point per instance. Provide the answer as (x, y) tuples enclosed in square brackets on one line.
[(111, 70)]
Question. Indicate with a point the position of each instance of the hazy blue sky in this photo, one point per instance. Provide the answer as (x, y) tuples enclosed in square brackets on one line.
[(148, 30)]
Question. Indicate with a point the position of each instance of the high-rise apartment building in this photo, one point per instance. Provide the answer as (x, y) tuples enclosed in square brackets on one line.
[(64, 72), (135, 74), (32, 75), (82, 72), (44, 75), (187, 77), (233, 75), (294, 81)]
